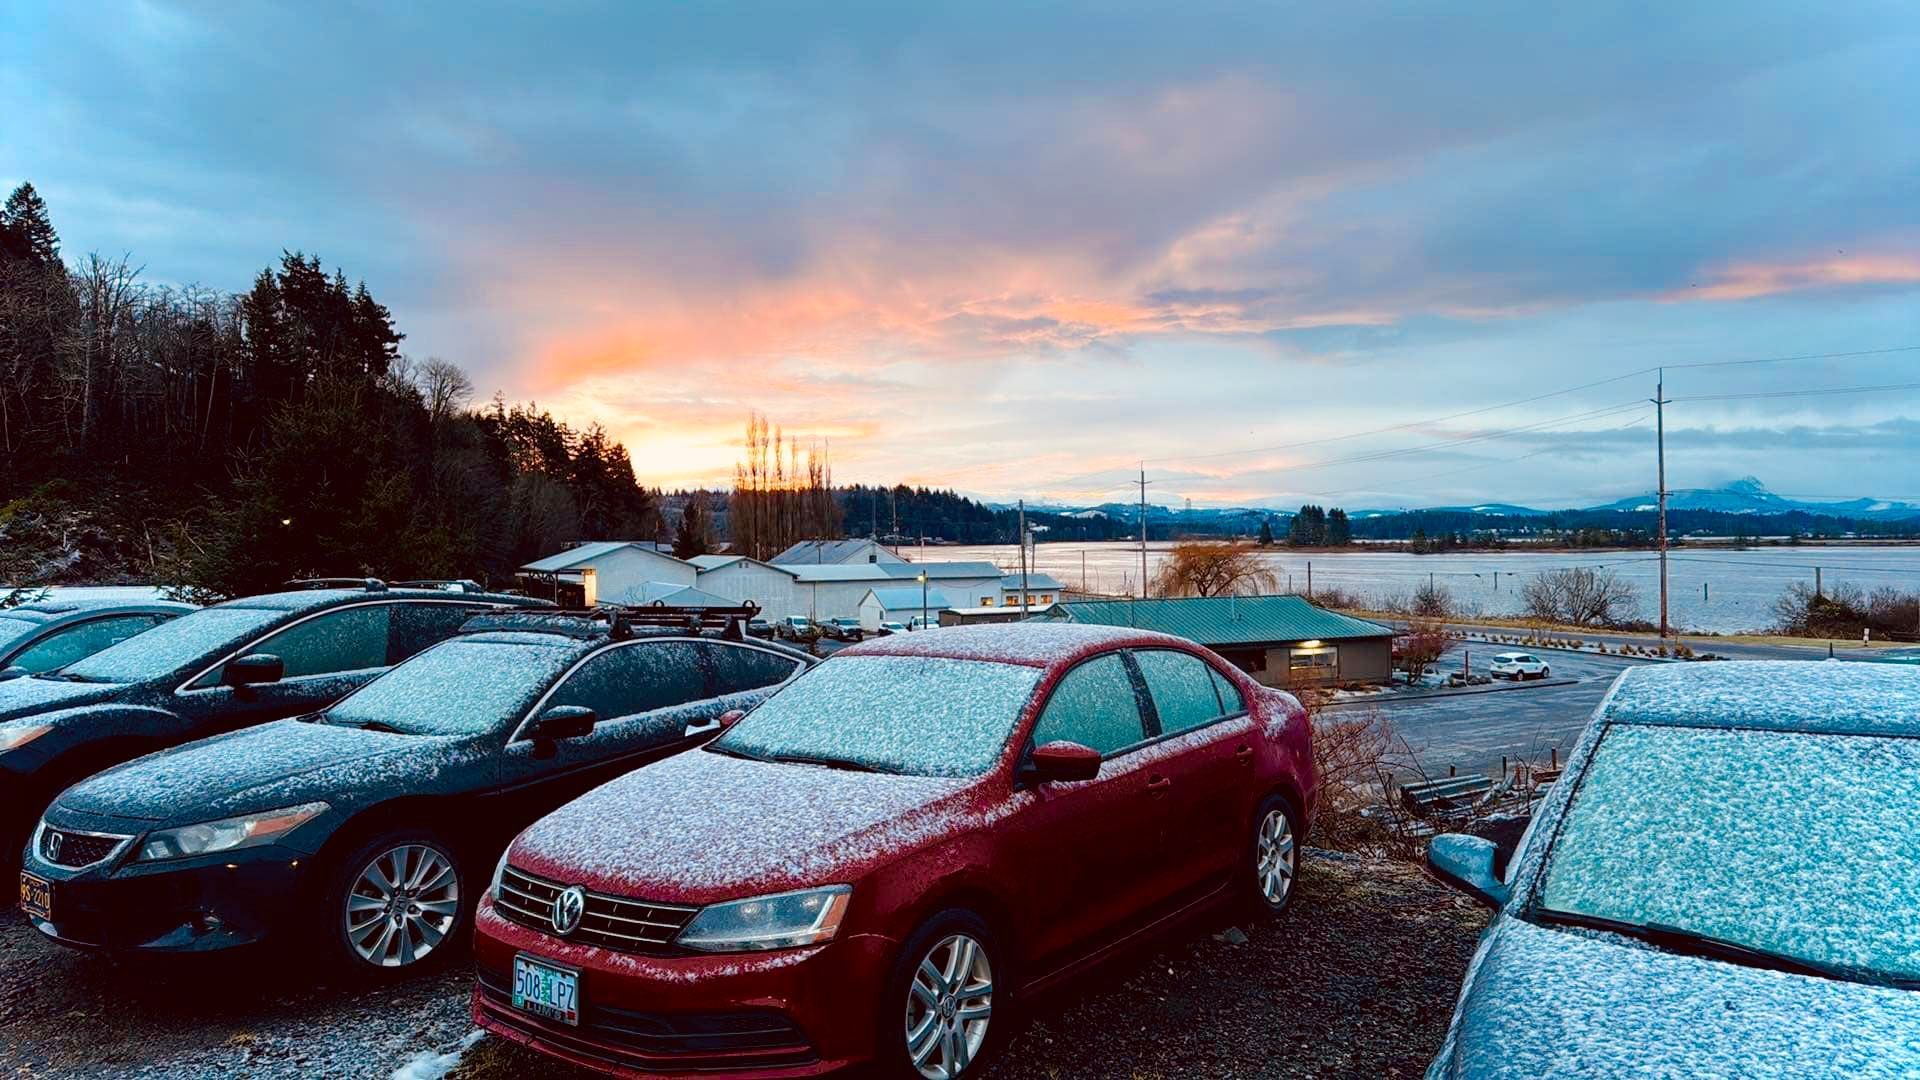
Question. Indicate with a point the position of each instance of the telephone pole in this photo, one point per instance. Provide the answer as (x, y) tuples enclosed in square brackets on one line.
[(1143, 529), (1023, 556), (1660, 453)]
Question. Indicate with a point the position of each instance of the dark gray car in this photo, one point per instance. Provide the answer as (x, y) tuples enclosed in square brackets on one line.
[(1722, 884), (46, 635)]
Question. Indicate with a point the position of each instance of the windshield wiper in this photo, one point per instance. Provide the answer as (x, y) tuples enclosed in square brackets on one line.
[(1693, 943), (826, 762), (367, 725), (716, 748)]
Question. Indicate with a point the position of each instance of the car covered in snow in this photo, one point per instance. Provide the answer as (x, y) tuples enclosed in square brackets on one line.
[(370, 826), (886, 856), (48, 634), (222, 667), (1518, 665), (1722, 883)]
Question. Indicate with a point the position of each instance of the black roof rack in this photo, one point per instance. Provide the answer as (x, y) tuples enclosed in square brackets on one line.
[(620, 621), (368, 583), (459, 585)]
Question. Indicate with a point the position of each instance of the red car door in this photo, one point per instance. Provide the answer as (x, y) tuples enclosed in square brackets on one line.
[(1206, 751), (1077, 849)]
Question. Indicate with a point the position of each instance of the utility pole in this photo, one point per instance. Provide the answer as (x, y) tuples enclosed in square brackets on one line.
[(1023, 556), (1143, 529), (1660, 453)]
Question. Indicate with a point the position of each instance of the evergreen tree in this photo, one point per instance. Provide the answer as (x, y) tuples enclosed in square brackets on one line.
[(28, 228), (1339, 529), (694, 536), (1266, 533)]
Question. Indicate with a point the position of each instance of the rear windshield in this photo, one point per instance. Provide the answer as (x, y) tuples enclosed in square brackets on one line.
[(192, 638)]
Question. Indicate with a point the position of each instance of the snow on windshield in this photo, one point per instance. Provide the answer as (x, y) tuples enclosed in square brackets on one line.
[(173, 645), (1798, 844), (924, 716), (459, 687), (12, 630), (1777, 694)]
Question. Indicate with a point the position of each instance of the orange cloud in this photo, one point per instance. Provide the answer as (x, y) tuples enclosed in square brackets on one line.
[(1745, 281)]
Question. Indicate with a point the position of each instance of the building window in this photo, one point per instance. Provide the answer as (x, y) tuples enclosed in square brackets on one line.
[(1046, 598), (1321, 661), (986, 601)]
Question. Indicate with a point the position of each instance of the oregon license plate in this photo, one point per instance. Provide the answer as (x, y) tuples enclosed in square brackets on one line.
[(545, 990), (36, 896)]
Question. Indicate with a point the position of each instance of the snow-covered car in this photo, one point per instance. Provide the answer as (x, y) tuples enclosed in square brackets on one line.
[(1518, 665), (1722, 883)]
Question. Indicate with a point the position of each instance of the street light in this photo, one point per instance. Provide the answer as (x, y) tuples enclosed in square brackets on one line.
[(923, 599)]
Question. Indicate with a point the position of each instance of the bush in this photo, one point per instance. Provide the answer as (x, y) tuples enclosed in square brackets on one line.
[(1577, 596)]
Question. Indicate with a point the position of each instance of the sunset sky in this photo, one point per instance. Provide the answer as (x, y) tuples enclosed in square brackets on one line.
[(1015, 250)]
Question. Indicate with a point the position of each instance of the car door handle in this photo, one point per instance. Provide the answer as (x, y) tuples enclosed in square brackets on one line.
[(1244, 755), (1158, 785)]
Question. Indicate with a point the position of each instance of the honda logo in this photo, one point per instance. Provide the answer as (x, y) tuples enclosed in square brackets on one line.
[(52, 845), (568, 907)]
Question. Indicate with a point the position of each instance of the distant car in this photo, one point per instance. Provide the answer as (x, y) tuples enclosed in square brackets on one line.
[(843, 630), (759, 627), (228, 666), (924, 622), (872, 866), (888, 629), (46, 635), (796, 628), (1720, 884), (369, 827), (1518, 665)]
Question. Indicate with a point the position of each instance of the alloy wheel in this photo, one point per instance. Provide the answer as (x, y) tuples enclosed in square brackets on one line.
[(1273, 857), (402, 906), (949, 1004)]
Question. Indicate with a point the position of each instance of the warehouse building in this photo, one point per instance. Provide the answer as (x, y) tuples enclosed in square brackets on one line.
[(1279, 640)]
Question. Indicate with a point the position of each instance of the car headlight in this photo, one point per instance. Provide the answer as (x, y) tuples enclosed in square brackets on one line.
[(228, 834), (780, 921), (13, 736), (499, 868)]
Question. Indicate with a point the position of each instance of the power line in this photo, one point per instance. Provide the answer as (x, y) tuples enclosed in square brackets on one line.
[(1883, 388)]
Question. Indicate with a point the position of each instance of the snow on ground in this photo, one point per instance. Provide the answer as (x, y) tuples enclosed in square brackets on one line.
[(432, 1065)]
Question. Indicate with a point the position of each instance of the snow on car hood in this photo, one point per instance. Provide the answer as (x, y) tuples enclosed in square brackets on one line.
[(1571, 1003), (25, 697), (703, 827), (259, 768)]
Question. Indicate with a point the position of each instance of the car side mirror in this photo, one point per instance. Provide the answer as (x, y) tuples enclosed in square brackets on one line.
[(14, 672), (1061, 762), (732, 717), (253, 669), (564, 722), (1466, 863)]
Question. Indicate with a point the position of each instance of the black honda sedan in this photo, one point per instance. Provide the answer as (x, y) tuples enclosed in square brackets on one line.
[(370, 828), (223, 667)]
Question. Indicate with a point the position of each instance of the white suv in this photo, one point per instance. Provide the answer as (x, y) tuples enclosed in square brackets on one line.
[(1518, 665)]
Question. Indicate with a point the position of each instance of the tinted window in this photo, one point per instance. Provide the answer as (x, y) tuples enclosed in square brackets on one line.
[(350, 639), (629, 679), (462, 687), (418, 625), (1093, 705), (1231, 703), (1182, 689), (190, 639), (59, 649), (737, 668)]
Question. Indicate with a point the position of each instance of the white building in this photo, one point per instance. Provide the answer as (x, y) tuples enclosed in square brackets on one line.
[(835, 553), (1041, 590), (607, 569), (900, 603)]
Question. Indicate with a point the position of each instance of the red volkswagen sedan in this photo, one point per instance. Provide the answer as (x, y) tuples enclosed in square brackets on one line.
[(887, 855)]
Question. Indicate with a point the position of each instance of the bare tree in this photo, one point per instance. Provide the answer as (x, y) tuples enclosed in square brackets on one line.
[(1215, 568), (445, 388), (1577, 596)]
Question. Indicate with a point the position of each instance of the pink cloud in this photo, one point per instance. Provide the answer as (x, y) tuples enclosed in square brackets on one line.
[(1745, 281)]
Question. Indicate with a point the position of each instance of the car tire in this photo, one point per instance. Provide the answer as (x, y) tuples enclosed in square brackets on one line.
[(397, 904), (1545, 672), (937, 988), (1270, 863)]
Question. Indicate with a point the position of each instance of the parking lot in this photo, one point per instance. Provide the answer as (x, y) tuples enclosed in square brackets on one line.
[(1358, 980)]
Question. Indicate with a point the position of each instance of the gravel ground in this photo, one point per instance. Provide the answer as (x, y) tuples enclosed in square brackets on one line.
[(1358, 980)]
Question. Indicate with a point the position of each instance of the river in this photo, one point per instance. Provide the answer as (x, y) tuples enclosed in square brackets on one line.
[(1713, 590)]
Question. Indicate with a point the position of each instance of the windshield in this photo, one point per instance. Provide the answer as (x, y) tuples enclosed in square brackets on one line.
[(456, 688), (189, 639), (922, 716), (1797, 845)]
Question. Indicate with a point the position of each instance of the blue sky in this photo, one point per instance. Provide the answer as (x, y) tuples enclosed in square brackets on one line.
[(1018, 249)]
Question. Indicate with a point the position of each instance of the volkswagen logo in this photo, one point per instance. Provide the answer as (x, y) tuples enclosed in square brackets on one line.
[(568, 907), (52, 845)]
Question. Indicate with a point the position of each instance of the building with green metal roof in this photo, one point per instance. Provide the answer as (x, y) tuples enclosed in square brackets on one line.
[(1279, 640)]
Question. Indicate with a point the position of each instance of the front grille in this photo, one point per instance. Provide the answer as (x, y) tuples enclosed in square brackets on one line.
[(679, 1042), (610, 922), (75, 850)]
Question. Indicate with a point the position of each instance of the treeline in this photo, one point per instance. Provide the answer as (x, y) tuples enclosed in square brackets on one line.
[(1623, 528), (248, 439)]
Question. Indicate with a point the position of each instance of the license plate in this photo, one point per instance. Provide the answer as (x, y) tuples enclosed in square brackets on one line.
[(36, 896), (545, 990)]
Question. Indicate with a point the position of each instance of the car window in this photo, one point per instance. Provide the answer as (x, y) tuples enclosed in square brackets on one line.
[(1181, 687), (737, 668), (635, 678), (63, 647), (1093, 705), (350, 639), (1231, 703), (459, 687), (193, 639), (420, 624)]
